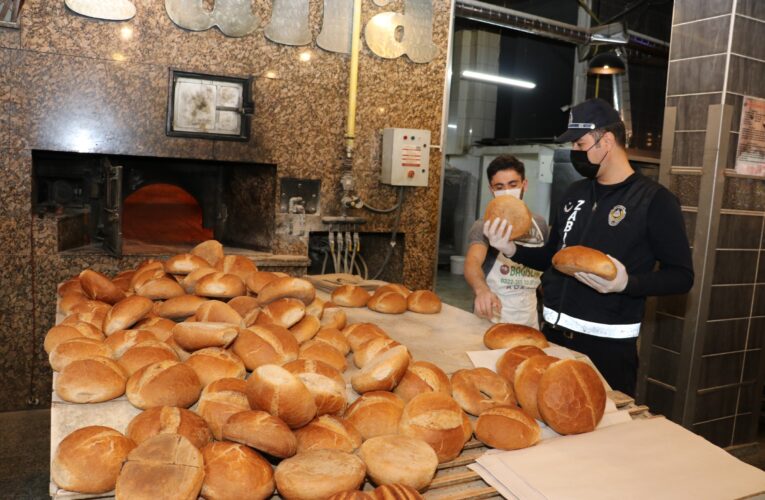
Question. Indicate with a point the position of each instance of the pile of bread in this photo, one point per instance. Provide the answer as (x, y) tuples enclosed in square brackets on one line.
[(388, 299)]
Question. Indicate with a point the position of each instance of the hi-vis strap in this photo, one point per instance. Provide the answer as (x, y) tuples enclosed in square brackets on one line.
[(591, 328)]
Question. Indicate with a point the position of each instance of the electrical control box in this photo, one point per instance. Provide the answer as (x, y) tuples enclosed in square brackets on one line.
[(405, 157)]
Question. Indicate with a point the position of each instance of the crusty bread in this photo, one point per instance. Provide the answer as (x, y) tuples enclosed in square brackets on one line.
[(77, 348), (180, 307), (422, 376), (233, 471), (90, 380), (265, 344), (387, 302), (160, 289), (526, 382), (145, 353), (350, 296), (511, 209), (578, 258), (210, 250), (95, 317), (126, 313), (287, 287), (121, 341), (423, 302), (371, 349), (395, 459), (71, 285), (220, 285), (169, 420), (479, 389), (394, 287), (89, 459), (238, 265), (315, 308), (62, 333), (358, 334), (220, 400), (351, 495), (509, 361), (328, 432), (395, 492), (162, 328), (164, 467), (318, 474), (151, 271), (507, 428), (375, 413), (262, 431), (99, 287), (184, 263), (321, 351), (382, 373), (167, 383), (438, 420), (571, 397), (509, 335), (214, 363), (195, 335), (333, 316), (215, 311), (325, 383), (257, 280), (305, 329), (189, 282), (244, 304), (335, 338), (284, 312), (282, 394), (69, 301)]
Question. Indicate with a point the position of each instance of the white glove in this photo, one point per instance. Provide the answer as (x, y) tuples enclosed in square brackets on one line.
[(618, 284), (498, 232)]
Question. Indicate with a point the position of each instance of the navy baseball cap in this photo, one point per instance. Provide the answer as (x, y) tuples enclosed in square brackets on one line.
[(588, 116)]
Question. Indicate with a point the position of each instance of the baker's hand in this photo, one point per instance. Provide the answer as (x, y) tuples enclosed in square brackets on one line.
[(486, 303), (618, 284), (498, 232)]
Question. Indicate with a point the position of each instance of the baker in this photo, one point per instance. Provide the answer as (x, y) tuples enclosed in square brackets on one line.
[(634, 220), (505, 291)]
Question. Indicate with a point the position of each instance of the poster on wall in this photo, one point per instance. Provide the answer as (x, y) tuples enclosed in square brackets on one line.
[(750, 155)]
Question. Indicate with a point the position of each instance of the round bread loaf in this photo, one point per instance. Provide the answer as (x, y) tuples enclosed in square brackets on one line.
[(95, 318), (99, 287), (580, 259), (215, 311), (325, 383), (162, 328), (220, 285), (388, 303), (287, 287), (571, 397), (395, 459), (526, 383), (160, 289), (169, 420), (282, 394), (350, 296), (333, 316), (89, 459), (180, 307), (351, 495), (511, 209), (91, 380), (335, 338), (265, 344), (371, 349), (394, 287), (507, 428), (214, 363), (126, 313), (262, 431), (422, 376), (396, 492), (211, 251), (382, 373), (282, 312), (119, 342), (122, 280), (321, 351), (318, 474), (257, 280), (233, 471), (358, 334), (93, 306), (375, 413), (315, 308), (145, 353), (167, 383), (423, 302), (220, 400), (189, 282), (77, 348), (184, 263), (67, 302), (479, 389), (305, 329), (164, 467), (244, 304), (195, 335), (509, 335), (327, 432), (62, 333), (438, 420), (509, 361), (152, 271), (238, 265), (72, 285), (183, 354)]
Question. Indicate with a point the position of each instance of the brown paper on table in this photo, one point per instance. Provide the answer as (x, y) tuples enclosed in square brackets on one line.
[(641, 459)]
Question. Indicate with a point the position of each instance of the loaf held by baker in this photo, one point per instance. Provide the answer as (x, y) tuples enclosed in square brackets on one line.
[(99, 287), (262, 431), (167, 383), (184, 263), (214, 363), (220, 285), (382, 373), (511, 209), (89, 459), (423, 302), (509, 361), (195, 335), (350, 296), (328, 432), (438, 420), (507, 428), (91, 380), (581, 259), (265, 344), (321, 351), (526, 383), (325, 383), (282, 394), (396, 459), (509, 335), (375, 413), (169, 420), (145, 353), (387, 303), (287, 287), (319, 474), (75, 349), (220, 400), (422, 376), (234, 471), (479, 389), (285, 312), (571, 397)]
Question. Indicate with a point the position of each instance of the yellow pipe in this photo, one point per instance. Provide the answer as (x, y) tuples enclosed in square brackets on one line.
[(350, 131)]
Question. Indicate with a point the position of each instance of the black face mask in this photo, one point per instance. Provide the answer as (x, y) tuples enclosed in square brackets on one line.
[(583, 165)]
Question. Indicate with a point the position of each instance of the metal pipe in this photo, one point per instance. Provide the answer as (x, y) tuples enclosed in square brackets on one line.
[(350, 131)]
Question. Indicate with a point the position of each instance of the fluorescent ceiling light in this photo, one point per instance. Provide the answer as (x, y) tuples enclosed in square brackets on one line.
[(452, 125), (485, 77)]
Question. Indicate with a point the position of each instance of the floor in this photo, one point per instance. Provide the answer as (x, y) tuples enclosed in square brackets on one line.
[(453, 290)]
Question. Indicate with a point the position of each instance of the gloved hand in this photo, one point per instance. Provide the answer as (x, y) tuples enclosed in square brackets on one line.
[(618, 284), (498, 232), (486, 303)]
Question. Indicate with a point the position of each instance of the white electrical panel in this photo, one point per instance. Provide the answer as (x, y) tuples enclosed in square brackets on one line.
[(405, 157)]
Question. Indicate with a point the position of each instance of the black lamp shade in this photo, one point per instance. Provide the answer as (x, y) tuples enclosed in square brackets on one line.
[(607, 63)]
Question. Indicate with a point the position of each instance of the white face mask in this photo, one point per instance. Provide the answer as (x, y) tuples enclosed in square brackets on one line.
[(509, 192)]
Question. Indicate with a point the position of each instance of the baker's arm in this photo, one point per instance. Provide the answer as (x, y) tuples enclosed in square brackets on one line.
[(486, 302)]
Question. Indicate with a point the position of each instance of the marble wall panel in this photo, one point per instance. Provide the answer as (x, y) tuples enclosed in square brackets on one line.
[(739, 231), (10, 38), (692, 10), (14, 235), (16, 292), (747, 38), (701, 38), (15, 353), (744, 194), (16, 188), (692, 110), (692, 76), (751, 8), (746, 76), (689, 149), (686, 188)]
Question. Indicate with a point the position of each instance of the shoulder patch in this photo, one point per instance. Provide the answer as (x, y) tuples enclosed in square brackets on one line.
[(616, 215)]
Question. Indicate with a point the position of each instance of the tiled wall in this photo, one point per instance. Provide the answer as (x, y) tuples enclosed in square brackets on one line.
[(70, 83), (708, 373)]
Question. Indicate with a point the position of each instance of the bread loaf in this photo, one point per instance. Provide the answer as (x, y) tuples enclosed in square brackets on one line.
[(167, 383), (70, 300), (422, 376), (318, 474), (238, 265), (438, 420), (333, 316), (180, 307), (214, 363), (371, 349), (507, 428), (479, 389), (395, 459), (233, 471), (162, 328), (526, 383), (257, 280), (164, 467), (95, 318), (571, 397), (423, 302), (321, 351), (375, 413), (77, 348), (145, 353), (151, 271), (388, 303), (169, 420), (262, 431), (160, 289), (62, 333), (350, 495), (244, 304), (267, 344), (315, 308), (382, 373), (350, 296), (220, 400), (395, 492), (287, 287), (511, 209), (189, 282), (282, 394), (282, 312), (394, 287), (91, 380), (99, 287), (211, 251), (325, 384), (328, 433), (195, 335), (72, 285), (580, 259), (509, 335), (335, 338), (509, 361), (119, 342), (220, 285), (215, 311), (358, 334), (306, 328), (184, 263), (89, 459)]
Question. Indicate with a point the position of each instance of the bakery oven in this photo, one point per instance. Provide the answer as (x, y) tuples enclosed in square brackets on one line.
[(134, 205)]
